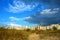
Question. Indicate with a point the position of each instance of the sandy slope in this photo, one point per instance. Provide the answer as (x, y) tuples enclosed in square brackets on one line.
[(33, 37), (37, 37)]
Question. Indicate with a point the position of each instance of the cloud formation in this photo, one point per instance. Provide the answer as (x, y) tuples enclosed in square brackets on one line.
[(18, 19), (50, 11), (47, 3), (27, 5), (45, 17), (20, 6), (14, 18), (13, 25)]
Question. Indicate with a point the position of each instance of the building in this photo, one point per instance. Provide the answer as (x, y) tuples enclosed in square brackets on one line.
[(47, 27)]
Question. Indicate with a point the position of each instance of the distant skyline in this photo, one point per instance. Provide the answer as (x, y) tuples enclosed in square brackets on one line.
[(29, 12)]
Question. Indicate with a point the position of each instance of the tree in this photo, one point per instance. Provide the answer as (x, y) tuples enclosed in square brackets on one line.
[(54, 28), (27, 29), (2, 28)]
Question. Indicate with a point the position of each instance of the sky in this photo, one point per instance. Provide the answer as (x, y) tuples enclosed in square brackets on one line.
[(29, 12)]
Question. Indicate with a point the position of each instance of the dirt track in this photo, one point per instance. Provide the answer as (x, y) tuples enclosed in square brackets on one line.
[(37, 37), (33, 37)]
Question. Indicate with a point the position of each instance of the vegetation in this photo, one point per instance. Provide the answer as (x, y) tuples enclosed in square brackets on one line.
[(54, 28), (28, 29), (13, 34)]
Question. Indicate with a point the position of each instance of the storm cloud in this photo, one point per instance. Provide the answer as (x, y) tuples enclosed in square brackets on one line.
[(50, 3), (45, 17), (49, 13)]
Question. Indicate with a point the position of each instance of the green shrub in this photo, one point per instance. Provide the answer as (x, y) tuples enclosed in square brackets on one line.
[(54, 28)]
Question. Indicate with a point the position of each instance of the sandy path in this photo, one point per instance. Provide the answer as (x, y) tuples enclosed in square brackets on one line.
[(33, 37), (37, 37)]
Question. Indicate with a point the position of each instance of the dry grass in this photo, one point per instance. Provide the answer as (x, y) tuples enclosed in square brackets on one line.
[(13, 34)]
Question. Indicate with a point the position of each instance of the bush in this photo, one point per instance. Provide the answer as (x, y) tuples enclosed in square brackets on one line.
[(28, 29), (54, 28), (12, 34)]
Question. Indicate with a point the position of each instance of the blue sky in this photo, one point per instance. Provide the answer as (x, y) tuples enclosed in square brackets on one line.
[(29, 12)]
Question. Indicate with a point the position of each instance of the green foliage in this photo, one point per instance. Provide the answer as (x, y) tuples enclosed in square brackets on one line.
[(54, 28), (2, 28), (28, 29)]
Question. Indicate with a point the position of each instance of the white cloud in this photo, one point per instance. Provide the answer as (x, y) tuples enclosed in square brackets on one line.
[(18, 19), (14, 18), (19, 6), (50, 11), (56, 9), (27, 17), (14, 26)]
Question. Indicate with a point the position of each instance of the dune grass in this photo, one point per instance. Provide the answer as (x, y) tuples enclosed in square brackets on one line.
[(13, 34)]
